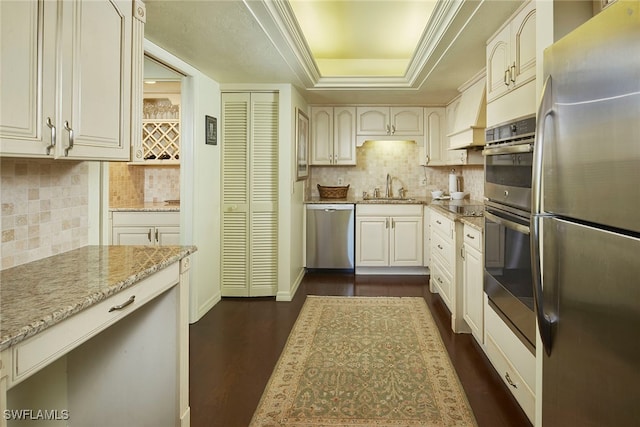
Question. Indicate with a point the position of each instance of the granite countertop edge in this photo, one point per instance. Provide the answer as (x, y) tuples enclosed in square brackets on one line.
[(50, 319), (146, 207), (440, 205)]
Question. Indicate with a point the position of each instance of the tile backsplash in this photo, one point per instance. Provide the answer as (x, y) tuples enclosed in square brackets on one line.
[(44, 208), (133, 185), (376, 159)]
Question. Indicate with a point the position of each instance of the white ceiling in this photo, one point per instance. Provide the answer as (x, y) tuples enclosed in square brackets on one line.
[(259, 41)]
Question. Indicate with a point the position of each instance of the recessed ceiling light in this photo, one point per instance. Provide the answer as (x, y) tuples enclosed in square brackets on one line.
[(364, 37)]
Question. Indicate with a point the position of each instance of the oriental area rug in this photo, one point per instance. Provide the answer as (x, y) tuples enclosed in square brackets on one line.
[(364, 361)]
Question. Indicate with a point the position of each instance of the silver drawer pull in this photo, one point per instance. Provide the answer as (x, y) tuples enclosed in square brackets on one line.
[(470, 236), (123, 305), (508, 378), (438, 222), (438, 279), (440, 247)]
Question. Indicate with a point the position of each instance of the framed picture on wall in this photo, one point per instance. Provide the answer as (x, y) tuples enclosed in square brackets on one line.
[(211, 130), (302, 145)]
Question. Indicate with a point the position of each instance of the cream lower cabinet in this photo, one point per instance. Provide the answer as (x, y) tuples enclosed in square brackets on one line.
[(103, 367), (472, 282), (389, 235), (515, 364), (67, 78), (145, 228), (446, 266)]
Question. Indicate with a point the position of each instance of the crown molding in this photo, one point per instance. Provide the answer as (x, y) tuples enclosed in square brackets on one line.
[(278, 21)]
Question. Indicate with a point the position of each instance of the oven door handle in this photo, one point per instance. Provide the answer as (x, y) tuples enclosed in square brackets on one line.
[(509, 224), (510, 149)]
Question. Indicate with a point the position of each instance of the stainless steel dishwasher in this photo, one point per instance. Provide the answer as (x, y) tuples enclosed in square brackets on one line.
[(330, 236)]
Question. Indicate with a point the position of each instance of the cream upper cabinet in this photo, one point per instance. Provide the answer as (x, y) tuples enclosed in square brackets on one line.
[(67, 78), (390, 123), (511, 53), (333, 133), (511, 68), (435, 150)]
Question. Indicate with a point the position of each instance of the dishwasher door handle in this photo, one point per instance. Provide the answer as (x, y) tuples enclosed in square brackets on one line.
[(330, 210)]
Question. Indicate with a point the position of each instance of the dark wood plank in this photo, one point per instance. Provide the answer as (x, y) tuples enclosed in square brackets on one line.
[(235, 346)]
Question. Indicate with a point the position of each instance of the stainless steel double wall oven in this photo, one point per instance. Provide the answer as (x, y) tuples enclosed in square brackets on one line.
[(508, 158)]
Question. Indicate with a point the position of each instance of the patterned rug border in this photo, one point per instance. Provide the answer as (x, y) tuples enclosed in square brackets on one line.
[(277, 393)]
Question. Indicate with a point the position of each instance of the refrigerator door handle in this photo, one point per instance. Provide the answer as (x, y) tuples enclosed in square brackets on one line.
[(545, 321), (545, 109)]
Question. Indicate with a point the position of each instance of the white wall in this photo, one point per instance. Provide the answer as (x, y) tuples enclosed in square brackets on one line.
[(199, 182)]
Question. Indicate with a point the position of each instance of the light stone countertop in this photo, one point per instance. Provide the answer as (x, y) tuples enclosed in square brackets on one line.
[(439, 205), (39, 294), (147, 207)]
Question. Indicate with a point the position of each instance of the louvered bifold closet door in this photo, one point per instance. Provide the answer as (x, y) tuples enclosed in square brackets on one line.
[(234, 125), (249, 194), (264, 194)]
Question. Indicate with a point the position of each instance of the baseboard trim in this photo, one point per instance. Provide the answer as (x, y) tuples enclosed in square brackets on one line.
[(204, 308), (287, 296), (421, 271)]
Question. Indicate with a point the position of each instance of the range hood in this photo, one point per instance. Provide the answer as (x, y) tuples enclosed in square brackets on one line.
[(470, 118)]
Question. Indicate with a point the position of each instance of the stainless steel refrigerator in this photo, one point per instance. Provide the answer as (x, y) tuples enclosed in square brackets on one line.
[(585, 236)]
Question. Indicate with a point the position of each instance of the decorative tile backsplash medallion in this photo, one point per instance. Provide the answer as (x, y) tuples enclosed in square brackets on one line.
[(134, 185), (399, 159), (44, 208), (126, 185)]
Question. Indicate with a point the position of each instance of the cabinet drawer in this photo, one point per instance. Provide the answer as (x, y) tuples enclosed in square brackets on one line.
[(442, 281), (145, 219), (444, 249), (38, 351), (511, 377), (473, 238), (441, 224)]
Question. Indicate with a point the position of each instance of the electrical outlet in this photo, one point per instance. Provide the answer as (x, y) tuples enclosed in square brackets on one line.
[(423, 181), (340, 181)]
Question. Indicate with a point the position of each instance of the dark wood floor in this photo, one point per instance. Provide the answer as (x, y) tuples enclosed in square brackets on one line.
[(235, 346)]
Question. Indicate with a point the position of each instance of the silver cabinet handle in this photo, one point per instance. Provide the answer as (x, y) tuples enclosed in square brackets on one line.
[(439, 280), (149, 235), (440, 247), (393, 129), (393, 223), (53, 135), (438, 222), (157, 239), (506, 77), (388, 129), (123, 305), (512, 73), (386, 223), (470, 236), (70, 146)]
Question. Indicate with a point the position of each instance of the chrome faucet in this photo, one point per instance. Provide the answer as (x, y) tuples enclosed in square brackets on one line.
[(388, 192)]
